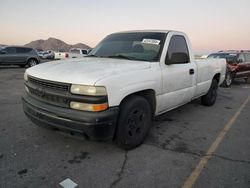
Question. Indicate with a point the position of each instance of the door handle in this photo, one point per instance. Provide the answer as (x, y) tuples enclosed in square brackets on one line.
[(191, 71)]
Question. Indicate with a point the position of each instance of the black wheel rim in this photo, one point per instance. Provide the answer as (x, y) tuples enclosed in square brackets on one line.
[(136, 123)]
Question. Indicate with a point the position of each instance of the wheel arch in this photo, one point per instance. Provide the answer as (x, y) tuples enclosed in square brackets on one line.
[(217, 77), (148, 94), (29, 58)]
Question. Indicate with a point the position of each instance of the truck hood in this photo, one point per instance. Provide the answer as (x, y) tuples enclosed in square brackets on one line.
[(87, 70)]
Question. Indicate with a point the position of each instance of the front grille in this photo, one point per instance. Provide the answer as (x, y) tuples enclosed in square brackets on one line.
[(49, 98), (54, 93), (49, 84)]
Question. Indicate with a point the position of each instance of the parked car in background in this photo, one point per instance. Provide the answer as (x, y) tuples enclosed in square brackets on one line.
[(22, 56), (238, 64), (46, 54), (51, 54), (124, 82), (40, 53), (78, 52), (61, 55)]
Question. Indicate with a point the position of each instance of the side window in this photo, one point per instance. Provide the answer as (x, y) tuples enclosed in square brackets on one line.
[(3, 51), (11, 50), (241, 58), (22, 50), (177, 45), (84, 52), (247, 57)]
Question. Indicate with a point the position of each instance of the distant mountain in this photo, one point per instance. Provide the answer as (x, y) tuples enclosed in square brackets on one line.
[(54, 44)]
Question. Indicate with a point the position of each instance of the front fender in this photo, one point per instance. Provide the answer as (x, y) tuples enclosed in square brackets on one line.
[(121, 85), (131, 89)]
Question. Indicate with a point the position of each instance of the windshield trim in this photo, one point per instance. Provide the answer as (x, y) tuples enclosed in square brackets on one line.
[(162, 46)]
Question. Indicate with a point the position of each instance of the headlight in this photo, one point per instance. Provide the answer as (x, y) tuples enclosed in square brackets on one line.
[(88, 90), (25, 76), (88, 107)]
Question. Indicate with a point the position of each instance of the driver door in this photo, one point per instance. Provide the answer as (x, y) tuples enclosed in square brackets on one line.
[(178, 84)]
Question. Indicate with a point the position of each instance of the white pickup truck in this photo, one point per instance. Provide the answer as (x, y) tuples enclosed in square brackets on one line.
[(78, 52), (114, 92), (61, 55)]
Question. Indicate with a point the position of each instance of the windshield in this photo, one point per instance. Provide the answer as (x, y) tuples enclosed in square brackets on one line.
[(230, 57), (222, 55), (75, 51), (140, 46)]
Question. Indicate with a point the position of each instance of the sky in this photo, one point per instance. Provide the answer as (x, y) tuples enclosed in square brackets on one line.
[(211, 25)]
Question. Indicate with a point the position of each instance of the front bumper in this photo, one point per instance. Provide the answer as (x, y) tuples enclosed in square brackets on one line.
[(94, 125)]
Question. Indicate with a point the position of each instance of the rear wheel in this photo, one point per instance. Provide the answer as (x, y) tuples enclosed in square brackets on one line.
[(32, 62), (210, 98), (246, 79), (134, 122), (228, 80)]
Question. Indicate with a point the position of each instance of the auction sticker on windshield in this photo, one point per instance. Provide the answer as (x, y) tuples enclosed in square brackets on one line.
[(151, 41)]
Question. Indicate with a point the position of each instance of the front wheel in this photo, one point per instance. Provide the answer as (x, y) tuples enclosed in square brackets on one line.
[(134, 122), (210, 98), (32, 62)]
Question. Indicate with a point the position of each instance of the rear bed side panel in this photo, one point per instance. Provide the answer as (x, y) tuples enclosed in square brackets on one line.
[(207, 69)]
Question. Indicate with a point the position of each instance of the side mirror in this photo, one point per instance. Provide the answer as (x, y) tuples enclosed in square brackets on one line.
[(177, 58), (2, 52)]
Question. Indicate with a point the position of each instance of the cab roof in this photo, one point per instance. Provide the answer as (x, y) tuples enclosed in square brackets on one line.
[(150, 30)]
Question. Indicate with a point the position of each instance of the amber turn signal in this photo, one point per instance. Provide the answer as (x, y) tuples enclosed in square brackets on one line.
[(88, 107)]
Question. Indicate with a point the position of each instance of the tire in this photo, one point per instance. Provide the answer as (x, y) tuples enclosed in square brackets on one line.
[(228, 80), (210, 98), (32, 62), (134, 122), (246, 79), (22, 66)]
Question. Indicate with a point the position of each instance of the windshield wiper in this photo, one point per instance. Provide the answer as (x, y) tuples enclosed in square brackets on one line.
[(121, 57), (114, 56)]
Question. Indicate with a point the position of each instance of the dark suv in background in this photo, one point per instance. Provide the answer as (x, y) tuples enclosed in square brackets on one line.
[(238, 64), (22, 56)]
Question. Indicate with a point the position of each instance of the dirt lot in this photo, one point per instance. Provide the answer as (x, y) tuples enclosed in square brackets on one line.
[(34, 157)]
